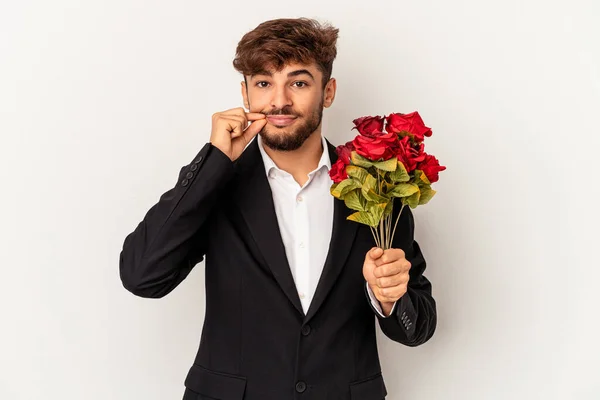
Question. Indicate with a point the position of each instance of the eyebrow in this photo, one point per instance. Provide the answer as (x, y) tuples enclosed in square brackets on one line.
[(290, 74), (301, 72)]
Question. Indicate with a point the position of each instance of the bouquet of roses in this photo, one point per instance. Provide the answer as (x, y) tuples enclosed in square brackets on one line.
[(378, 166)]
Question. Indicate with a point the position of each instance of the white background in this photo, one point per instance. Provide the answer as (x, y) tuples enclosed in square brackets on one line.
[(102, 102)]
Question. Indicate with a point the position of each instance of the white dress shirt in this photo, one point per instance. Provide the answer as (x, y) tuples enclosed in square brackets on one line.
[(305, 218)]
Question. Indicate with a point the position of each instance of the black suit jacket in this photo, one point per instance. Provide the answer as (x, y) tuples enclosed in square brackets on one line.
[(256, 342)]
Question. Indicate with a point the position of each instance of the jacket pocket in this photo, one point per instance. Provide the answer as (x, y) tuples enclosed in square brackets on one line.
[(372, 388), (215, 384)]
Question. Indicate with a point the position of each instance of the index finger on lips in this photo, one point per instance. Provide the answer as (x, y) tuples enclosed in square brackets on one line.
[(255, 116)]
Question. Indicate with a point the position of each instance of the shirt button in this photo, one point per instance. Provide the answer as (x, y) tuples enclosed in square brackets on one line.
[(300, 387), (301, 245), (299, 199), (302, 295)]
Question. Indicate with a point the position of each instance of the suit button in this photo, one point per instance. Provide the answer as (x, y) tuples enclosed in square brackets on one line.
[(184, 182), (198, 160), (194, 167), (300, 387), (306, 330), (189, 175)]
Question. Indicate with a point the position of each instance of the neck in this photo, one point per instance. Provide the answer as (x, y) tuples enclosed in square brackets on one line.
[(301, 161)]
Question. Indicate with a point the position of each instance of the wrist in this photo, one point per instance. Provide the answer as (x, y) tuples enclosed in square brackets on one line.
[(387, 308)]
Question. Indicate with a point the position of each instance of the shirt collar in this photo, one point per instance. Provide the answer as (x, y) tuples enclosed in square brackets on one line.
[(269, 164)]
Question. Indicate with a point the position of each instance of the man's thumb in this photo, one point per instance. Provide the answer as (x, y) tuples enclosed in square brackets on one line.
[(375, 253), (254, 128)]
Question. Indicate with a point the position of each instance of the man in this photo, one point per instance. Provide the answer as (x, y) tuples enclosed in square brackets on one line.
[(293, 288)]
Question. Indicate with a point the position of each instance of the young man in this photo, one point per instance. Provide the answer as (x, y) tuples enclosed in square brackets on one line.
[(293, 288)]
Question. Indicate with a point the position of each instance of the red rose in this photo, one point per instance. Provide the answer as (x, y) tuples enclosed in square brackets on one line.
[(344, 151), (380, 147), (338, 171), (410, 154), (411, 123), (369, 126), (431, 167)]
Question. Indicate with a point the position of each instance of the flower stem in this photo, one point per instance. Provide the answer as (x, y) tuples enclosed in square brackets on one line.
[(389, 228), (375, 236), (397, 218), (382, 233)]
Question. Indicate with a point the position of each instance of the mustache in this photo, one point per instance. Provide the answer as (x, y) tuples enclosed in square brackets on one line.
[(287, 110)]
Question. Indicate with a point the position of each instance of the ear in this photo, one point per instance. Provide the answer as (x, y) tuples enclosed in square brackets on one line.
[(245, 95), (329, 93)]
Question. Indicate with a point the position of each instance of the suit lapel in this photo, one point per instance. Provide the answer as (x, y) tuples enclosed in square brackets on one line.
[(255, 200)]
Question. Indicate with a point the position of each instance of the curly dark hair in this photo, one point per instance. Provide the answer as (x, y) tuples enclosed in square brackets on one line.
[(276, 43)]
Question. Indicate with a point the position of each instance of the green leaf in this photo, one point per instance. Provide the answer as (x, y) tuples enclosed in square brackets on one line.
[(426, 194), (400, 174), (355, 201), (360, 161), (359, 173), (374, 197), (413, 200), (371, 217), (421, 178), (388, 165), (362, 217), (339, 190), (404, 190), (370, 184), (377, 211), (388, 187), (333, 188), (388, 209)]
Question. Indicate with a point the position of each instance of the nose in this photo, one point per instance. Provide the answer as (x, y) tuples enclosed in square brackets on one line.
[(281, 98)]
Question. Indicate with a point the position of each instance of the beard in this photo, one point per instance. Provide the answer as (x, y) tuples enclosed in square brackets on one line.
[(292, 139)]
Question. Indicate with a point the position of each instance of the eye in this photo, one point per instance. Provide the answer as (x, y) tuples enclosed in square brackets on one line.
[(262, 84), (300, 84)]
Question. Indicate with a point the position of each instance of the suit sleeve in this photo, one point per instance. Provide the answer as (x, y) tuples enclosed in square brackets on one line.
[(170, 240), (414, 318)]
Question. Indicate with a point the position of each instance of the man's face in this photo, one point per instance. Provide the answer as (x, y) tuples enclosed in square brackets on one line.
[(293, 101)]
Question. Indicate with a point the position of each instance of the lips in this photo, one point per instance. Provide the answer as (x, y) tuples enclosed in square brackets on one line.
[(280, 120)]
